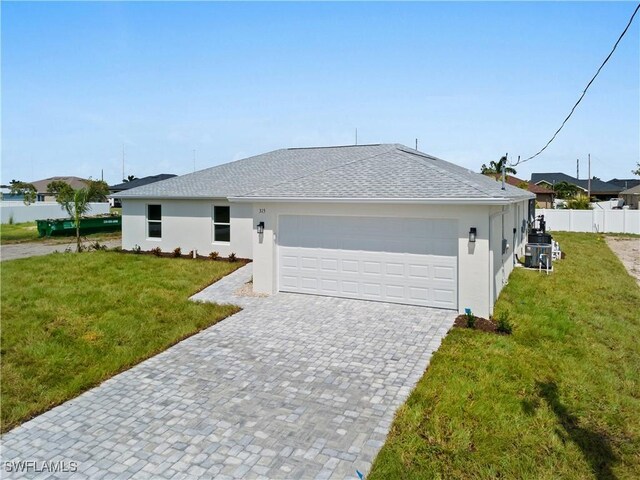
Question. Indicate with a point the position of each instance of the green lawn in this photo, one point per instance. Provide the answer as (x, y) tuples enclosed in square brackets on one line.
[(560, 398), (28, 232), (70, 321)]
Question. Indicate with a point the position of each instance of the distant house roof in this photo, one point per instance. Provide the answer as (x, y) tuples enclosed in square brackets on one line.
[(516, 182), (139, 182), (631, 191), (358, 172), (75, 183), (625, 182), (597, 186)]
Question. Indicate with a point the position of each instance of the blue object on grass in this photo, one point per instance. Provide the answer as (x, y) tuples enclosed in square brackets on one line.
[(360, 474)]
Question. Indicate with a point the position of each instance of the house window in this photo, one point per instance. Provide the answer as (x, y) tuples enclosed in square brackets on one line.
[(221, 224), (154, 221)]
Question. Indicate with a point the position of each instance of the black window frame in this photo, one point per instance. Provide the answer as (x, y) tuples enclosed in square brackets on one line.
[(154, 221), (221, 228)]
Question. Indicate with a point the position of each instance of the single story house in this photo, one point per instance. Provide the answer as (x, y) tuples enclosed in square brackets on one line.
[(631, 197), (374, 222), (544, 195), (599, 189), (138, 182), (42, 195), (625, 183)]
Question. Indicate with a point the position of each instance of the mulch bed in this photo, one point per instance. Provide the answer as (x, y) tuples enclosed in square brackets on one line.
[(481, 324), (187, 255)]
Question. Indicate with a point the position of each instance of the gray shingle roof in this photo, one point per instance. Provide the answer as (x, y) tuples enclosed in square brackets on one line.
[(368, 172), (138, 182), (597, 186)]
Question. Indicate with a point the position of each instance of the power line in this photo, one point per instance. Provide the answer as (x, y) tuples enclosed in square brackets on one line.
[(585, 90)]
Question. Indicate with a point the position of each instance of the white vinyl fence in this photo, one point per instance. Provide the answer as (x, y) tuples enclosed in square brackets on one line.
[(18, 212), (603, 221)]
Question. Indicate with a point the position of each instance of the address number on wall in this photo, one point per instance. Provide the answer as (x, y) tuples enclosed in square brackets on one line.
[(262, 210)]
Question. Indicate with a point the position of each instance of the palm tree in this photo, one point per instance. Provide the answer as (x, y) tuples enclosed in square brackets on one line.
[(130, 178), (496, 167), (76, 203)]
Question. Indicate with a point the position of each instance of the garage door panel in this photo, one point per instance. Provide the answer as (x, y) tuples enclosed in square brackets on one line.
[(395, 260)]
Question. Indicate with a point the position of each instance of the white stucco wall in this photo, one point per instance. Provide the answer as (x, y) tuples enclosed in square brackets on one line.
[(473, 258), (187, 224), (502, 222)]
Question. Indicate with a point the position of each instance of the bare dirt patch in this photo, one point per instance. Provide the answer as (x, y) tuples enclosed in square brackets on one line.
[(628, 251), (247, 291)]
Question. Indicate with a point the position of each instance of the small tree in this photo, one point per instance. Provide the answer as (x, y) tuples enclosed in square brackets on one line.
[(130, 178), (579, 202), (98, 190), (565, 190), (637, 170), (60, 189), (496, 167), (27, 190), (77, 206), (76, 202)]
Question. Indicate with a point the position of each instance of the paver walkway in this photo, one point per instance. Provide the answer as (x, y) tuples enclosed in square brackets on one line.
[(32, 249), (293, 386)]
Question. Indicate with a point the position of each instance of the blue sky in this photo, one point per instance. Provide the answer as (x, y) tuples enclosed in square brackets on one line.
[(470, 80)]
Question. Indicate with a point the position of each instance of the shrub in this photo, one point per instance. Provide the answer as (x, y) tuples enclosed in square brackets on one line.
[(579, 202), (232, 257), (177, 252), (137, 249), (214, 255), (97, 246), (471, 318), (504, 325), (156, 251)]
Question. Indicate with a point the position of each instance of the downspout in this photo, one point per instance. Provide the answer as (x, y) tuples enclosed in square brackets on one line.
[(502, 212)]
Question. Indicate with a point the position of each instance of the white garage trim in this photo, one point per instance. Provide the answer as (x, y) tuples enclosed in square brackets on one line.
[(400, 260)]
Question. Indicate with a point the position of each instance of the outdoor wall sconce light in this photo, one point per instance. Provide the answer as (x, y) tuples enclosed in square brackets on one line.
[(472, 234), (260, 228)]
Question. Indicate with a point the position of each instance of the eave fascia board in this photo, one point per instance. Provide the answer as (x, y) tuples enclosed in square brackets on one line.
[(419, 201), (163, 197)]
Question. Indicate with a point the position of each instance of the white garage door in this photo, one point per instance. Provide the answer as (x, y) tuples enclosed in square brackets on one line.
[(399, 260)]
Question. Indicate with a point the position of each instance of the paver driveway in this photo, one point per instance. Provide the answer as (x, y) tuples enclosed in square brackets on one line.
[(293, 386)]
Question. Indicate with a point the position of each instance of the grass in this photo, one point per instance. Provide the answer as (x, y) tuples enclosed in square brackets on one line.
[(560, 398), (28, 232), (70, 321)]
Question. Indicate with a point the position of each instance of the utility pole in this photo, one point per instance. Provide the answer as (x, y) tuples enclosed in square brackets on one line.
[(416, 144), (123, 177), (356, 136), (589, 182), (504, 167), (194, 159), (578, 168)]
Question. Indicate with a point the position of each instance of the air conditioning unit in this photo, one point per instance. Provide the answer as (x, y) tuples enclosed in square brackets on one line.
[(537, 255)]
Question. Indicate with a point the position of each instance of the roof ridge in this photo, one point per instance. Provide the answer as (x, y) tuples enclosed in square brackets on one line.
[(338, 146), (445, 172), (319, 171)]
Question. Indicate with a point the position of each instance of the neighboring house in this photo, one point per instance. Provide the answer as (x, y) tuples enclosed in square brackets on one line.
[(41, 187), (625, 183), (599, 189), (138, 182), (544, 195), (631, 197), (372, 222)]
